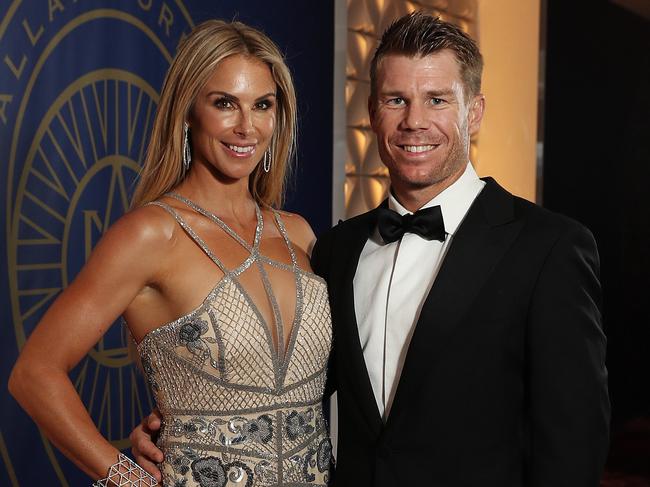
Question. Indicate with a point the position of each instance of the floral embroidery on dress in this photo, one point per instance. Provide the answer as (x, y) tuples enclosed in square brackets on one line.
[(298, 424), (209, 472), (239, 429), (180, 459), (194, 428), (300, 467), (324, 455), (260, 429), (191, 335), (308, 463), (212, 472), (264, 472), (237, 470), (181, 464)]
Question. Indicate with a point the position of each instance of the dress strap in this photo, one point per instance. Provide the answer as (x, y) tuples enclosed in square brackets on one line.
[(211, 216), (296, 273), (192, 234), (285, 236)]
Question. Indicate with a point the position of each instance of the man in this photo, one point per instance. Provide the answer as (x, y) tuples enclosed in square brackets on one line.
[(468, 347)]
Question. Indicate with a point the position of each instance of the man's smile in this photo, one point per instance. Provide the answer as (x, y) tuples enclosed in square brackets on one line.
[(418, 148)]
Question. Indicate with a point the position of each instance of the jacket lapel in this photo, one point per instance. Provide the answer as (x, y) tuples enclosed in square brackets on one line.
[(484, 236), (351, 364)]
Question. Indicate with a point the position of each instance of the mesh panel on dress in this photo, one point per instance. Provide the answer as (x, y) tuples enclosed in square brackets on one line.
[(313, 340), (248, 359)]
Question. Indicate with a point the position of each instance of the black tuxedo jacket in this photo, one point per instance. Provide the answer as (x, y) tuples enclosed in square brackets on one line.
[(504, 383)]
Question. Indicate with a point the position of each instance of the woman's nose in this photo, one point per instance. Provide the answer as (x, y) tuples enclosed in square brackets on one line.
[(245, 125)]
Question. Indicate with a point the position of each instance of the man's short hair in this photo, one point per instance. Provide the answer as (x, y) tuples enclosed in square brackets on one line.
[(419, 34)]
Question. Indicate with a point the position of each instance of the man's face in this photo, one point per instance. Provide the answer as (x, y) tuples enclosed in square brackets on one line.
[(422, 120)]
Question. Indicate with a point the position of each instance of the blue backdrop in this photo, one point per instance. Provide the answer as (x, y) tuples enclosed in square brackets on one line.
[(79, 85)]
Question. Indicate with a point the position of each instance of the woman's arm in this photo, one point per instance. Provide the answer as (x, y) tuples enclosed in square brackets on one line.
[(124, 262)]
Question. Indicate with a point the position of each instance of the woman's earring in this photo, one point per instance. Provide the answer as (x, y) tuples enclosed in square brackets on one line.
[(267, 160), (187, 154)]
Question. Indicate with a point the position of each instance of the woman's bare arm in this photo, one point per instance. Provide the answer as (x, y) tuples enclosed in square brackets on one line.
[(124, 262)]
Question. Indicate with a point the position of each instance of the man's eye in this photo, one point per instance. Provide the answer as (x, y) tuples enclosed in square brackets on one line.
[(397, 101), (437, 101)]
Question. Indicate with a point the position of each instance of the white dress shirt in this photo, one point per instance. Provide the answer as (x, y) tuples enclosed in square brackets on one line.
[(393, 280)]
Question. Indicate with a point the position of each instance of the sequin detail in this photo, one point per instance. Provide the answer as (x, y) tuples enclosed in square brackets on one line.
[(237, 410)]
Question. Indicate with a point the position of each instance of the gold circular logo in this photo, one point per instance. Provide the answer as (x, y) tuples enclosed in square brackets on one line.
[(72, 165)]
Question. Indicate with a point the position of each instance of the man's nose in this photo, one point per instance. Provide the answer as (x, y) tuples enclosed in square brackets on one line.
[(416, 117)]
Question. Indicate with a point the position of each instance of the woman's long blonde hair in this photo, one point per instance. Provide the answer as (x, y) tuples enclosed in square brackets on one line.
[(198, 56)]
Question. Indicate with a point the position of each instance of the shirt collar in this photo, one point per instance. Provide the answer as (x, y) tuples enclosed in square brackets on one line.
[(454, 201)]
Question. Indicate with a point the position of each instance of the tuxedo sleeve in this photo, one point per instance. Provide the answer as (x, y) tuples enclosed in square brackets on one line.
[(567, 378), (320, 263)]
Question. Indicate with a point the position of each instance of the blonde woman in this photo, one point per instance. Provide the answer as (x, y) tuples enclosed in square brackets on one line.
[(232, 327)]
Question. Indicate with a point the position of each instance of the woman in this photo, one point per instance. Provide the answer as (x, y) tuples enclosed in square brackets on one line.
[(237, 367)]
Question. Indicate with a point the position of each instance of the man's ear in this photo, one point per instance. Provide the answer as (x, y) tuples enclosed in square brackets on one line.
[(475, 113)]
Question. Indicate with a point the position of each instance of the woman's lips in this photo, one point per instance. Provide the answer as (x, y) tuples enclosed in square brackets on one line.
[(240, 150)]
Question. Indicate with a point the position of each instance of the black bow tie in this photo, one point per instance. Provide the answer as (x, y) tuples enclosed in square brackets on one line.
[(427, 223)]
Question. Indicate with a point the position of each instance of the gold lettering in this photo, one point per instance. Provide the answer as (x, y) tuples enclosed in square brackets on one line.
[(145, 4), (33, 38), (91, 221), (16, 70), (54, 6), (166, 17), (4, 101)]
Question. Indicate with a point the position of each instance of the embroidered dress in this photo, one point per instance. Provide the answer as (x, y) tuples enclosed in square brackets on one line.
[(239, 410)]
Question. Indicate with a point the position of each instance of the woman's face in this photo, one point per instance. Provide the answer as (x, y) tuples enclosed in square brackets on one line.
[(233, 118)]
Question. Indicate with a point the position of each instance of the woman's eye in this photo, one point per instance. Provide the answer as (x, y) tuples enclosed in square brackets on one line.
[(264, 104), (223, 103)]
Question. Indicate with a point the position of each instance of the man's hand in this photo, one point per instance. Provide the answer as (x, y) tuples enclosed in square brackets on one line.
[(144, 451)]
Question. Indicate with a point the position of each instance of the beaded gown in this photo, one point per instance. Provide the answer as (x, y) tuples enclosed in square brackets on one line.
[(239, 410)]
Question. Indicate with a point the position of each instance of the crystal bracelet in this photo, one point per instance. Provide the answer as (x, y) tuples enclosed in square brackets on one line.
[(126, 473)]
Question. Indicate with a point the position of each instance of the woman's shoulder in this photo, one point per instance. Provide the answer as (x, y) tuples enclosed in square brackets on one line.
[(299, 231), (147, 227), (135, 245)]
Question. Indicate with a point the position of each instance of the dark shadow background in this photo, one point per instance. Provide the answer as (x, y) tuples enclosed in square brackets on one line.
[(597, 170)]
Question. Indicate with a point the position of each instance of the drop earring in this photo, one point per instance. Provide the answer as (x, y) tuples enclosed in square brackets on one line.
[(187, 154), (266, 164)]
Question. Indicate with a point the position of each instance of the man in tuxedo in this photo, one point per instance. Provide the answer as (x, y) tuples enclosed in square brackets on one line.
[(468, 347)]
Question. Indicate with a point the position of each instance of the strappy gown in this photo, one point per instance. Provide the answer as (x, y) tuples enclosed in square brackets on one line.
[(237, 410)]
